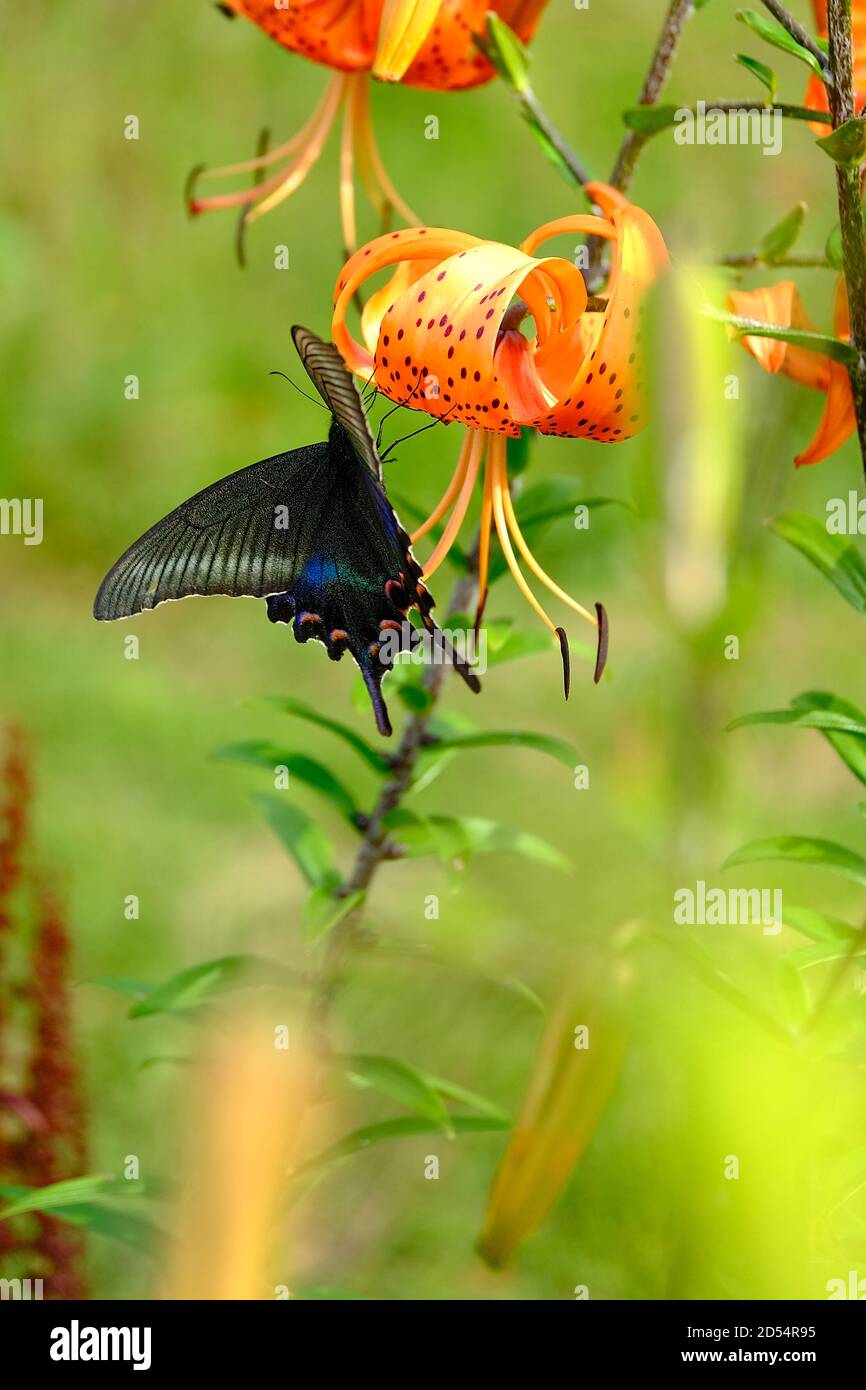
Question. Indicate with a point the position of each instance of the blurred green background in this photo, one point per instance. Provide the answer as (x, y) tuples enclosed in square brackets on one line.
[(103, 275)]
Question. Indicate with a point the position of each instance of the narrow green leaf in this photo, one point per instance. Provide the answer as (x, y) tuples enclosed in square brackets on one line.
[(501, 738), (761, 71), (843, 725), (779, 240), (324, 911), (126, 1227), (306, 842), (849, 746), (803, 849), (471, 1099), (798, 337), (269, 756), (780, 38), (818, 926), (846, 145), (401, 1082), (403, 1127), (191, 988), (458, 837), (70, 1192), (299, 710), (835, 557), (648, 120), (802, 718)]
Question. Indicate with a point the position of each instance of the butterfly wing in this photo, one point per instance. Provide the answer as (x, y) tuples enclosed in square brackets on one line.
[(338, 389), (312, 531)]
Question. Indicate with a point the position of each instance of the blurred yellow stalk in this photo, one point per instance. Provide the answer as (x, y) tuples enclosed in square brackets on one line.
[(248, 1102), (577, 1064)]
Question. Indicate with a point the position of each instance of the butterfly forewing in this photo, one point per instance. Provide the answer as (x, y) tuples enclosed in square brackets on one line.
[(336, 385)]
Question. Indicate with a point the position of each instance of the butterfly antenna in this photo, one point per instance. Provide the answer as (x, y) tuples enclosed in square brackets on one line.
[(440, 420), (394, 408), (301, 392)]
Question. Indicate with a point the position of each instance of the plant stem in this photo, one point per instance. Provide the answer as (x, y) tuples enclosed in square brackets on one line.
[(744, 260), (376, 847), (536, 115), (796, 30), (679, 12), (850, 207)]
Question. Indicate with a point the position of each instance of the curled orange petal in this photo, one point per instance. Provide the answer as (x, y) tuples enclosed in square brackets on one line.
[(604, 399), (781, 304)]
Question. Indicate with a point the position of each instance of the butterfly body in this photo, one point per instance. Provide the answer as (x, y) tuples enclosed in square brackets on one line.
[(310, 531)]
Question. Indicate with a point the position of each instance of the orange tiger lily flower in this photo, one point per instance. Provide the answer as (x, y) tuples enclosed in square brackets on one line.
[(443, 336), (816, 97), (421, 43), (781, 304)]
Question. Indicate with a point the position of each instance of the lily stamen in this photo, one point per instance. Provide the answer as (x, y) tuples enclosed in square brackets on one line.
[(458, 515), (448, 497)]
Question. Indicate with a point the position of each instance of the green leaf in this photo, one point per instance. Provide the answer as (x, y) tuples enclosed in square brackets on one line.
[(324, 911), (846, 145), (75, 1200), (834, 556), (843, 725), (128, 1228), (779, 240), (400, 1128), (70, 1192), (818, 926), (798, 337), (400, 1082), (850, 747), (191, 988), (648, 120), (499, 738), (803, 849), (458, 837), (761, 71), (306, 842), (780, 38), (507, 54), (269, 756), (471, 1099), (299, 710)]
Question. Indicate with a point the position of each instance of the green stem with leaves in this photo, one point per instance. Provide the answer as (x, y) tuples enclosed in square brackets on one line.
[(377, 847)]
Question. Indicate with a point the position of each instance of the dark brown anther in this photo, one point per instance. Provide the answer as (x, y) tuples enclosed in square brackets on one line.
[(389, 625), (603, 634), (566, 660), (479, 612)]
